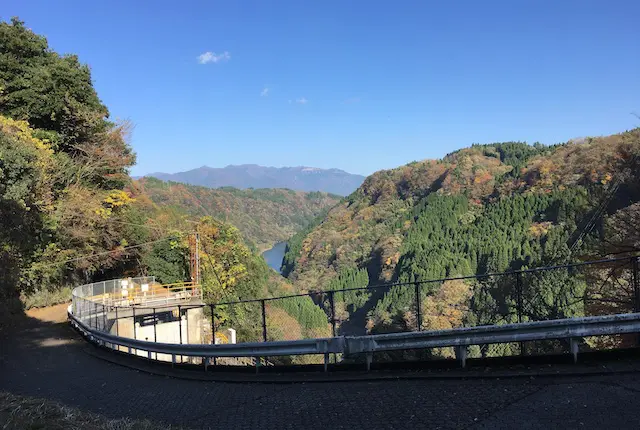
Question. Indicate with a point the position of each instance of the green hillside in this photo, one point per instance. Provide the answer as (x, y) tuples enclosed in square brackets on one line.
[(484, 209)]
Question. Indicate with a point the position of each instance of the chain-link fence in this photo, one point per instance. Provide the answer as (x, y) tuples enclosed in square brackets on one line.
[(141, 309)]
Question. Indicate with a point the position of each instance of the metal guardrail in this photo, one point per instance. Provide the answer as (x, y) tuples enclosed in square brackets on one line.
[(460, 338), (254, 349), (569, 328)]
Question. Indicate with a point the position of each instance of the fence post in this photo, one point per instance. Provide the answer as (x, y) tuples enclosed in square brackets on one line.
[(333, 313), (213, 326), (636, 290), (180, 322), (519, 295), (418, 316), (117, 329), (134, 322), (155, 324), (95, 315), (636, 284), (519, 305), (186, 321), (264, 322)]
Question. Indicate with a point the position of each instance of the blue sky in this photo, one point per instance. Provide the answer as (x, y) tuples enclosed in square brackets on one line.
[(357, 85)]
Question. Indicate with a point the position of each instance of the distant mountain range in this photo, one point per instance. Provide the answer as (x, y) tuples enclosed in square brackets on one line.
[(333, 181)]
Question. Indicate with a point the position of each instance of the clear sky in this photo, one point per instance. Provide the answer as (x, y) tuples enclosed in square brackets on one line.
[(357, 85)]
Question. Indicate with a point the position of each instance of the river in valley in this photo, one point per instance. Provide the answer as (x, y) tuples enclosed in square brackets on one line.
[(274, 256)]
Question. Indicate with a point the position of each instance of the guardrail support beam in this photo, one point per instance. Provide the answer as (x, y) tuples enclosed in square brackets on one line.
[(574, 344), (369, 358), (461, 355)]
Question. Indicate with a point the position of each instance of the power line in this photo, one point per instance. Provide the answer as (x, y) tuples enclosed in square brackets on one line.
[(105, 253)]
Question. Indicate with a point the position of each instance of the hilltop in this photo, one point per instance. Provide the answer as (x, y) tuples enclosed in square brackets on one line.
[(333, 181)]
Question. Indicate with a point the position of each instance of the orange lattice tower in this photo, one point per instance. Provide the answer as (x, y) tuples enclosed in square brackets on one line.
[(194, 258)]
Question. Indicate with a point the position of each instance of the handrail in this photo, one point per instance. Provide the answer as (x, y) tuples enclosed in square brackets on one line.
[(136, 291)]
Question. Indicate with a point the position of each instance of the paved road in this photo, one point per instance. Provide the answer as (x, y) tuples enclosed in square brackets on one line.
[(47, 359)]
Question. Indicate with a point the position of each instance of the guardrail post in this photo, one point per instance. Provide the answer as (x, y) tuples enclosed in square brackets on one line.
[(574, 344), (264, 321), (461, 355), (333, 313), (418, 316)]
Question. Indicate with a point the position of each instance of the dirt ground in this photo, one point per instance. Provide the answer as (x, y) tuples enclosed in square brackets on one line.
[(51, 314)]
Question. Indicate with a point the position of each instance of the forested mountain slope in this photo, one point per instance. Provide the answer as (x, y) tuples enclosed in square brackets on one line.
[(263, 216), (488, 208)]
